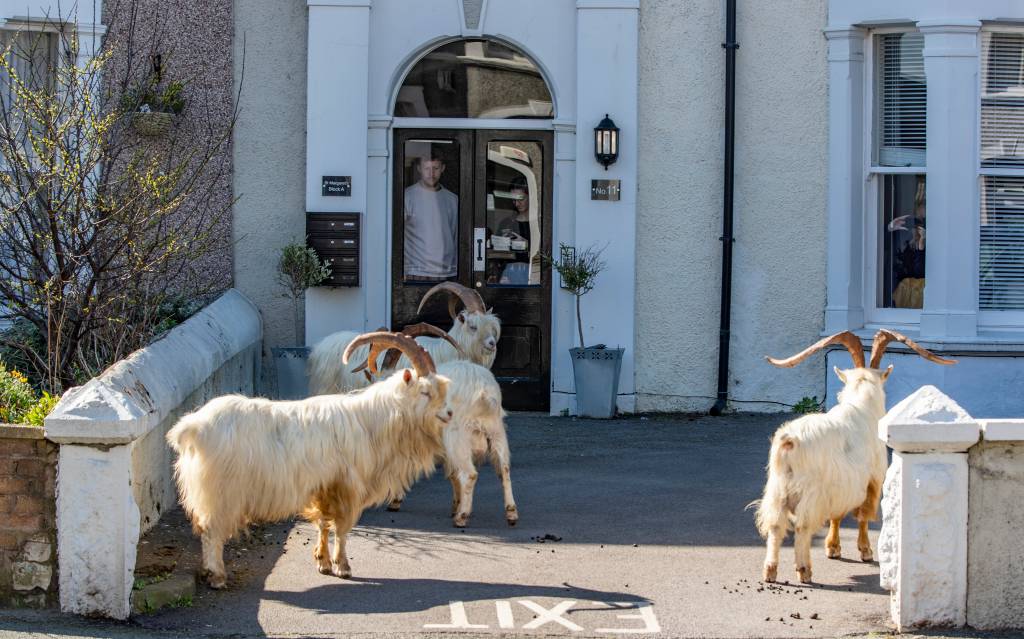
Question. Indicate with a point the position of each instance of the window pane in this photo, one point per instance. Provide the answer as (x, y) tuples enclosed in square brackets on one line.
[(1001, 283), (431, 210), (514, 183), (474, 79), (901, 284), (901, 100), (1002, 99)]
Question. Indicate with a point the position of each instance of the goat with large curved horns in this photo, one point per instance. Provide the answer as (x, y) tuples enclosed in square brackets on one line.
[(243, 459), (823, 466)]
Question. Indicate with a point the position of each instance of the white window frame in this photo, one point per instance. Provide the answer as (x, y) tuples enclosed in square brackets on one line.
[(996, 321), (876, 316)]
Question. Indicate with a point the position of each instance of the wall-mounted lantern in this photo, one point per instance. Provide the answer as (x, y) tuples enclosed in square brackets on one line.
[(606, 142)]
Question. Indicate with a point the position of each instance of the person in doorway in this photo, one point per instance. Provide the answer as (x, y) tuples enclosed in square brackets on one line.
[(519, 221), (431, 224)]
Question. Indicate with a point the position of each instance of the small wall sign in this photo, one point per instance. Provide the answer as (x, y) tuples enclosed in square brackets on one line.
[(604, 190), (337, 185)]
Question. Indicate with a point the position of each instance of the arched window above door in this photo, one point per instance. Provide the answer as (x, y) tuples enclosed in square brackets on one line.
[(474, 79)]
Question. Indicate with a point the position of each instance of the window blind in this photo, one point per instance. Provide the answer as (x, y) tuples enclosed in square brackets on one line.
[(1002, 100), (1001, 252), (901, 100)]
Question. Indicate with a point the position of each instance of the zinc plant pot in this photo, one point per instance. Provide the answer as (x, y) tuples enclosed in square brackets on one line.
[(597, 380), (292, 379)]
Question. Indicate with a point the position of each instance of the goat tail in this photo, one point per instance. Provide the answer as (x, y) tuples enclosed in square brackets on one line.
[(771, 511), (184, 434)]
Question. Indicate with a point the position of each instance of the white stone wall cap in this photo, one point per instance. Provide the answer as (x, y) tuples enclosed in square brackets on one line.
[(1002, 430), (135, 394), (928, 421)]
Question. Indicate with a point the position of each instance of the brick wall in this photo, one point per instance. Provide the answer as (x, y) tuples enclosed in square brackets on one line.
[(28, 531)]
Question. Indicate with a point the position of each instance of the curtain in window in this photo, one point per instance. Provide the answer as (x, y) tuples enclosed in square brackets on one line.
[(902, 100), (1001, 265)]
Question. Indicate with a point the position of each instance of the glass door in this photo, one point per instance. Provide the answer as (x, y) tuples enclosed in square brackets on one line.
[(475, 207)]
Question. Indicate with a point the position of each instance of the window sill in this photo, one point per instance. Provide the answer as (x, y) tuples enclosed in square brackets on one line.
[(986, 344)]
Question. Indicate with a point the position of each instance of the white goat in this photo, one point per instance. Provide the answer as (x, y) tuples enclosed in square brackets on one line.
[(476, 432), (243, 460), (474, 336), (823, 466)]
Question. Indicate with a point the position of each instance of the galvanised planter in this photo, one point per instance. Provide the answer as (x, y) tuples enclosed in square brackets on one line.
[(597, 380), (292, 379)]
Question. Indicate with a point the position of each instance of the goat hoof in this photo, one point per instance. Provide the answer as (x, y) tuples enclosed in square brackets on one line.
[(834, 553), (342, 572), (867, 556), (394, 506), (460, 521), (217, 582), (771, 571), (324, 569), (511, 515), (804, 574)]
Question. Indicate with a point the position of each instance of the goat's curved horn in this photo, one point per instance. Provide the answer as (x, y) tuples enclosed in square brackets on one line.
[(470, 298), (846, 338), (884, 336), (423, 328), (381, 340)]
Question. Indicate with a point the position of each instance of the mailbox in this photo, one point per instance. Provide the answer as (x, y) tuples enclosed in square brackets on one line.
[(335, 238)]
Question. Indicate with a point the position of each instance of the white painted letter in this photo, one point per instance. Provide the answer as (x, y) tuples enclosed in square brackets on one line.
[(505, 618), (555, 614), (646, 614), (459, 619)]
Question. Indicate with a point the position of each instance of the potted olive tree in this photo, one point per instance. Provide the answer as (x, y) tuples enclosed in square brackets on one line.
[(595, 368), (298, 268)]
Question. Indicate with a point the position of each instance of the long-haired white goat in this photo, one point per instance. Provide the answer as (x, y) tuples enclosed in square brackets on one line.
[(243, 460), (474, 336), (476, 432), (823, 466)]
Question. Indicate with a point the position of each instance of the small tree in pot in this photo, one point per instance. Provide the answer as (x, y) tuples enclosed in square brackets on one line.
[(299, 268), (596, 368)]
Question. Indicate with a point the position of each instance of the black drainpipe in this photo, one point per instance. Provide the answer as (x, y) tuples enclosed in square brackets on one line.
[(730, 45)]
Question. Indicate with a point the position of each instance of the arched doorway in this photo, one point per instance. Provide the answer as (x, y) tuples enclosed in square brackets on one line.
[(472, 200)]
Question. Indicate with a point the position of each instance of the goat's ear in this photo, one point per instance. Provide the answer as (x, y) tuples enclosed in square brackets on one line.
[(462, 316), (839, 374), (406, 375), (886, 373)]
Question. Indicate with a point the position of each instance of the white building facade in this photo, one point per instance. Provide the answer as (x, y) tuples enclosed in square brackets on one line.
[(326, 93), (926, 117)]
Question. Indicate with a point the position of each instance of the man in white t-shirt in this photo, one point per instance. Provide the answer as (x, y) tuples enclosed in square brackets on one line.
[(431, 225)]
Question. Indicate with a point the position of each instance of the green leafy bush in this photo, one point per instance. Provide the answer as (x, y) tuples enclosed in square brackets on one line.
[(16, 395), (299, 268), (809, 405), (35, 415)]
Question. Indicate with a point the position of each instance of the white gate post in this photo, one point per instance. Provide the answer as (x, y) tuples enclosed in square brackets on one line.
[(923, 544)]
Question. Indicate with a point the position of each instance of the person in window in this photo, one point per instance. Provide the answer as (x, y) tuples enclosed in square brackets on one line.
[(518, 223), (908, 262), (431, 224)]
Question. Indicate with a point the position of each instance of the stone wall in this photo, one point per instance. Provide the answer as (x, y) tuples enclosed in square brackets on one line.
[(28, 535)]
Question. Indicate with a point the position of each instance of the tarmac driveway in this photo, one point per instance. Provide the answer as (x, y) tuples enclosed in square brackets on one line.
[(631, 526)]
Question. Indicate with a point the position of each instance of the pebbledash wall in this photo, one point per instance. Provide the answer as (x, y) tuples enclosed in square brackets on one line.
[(330, 72)]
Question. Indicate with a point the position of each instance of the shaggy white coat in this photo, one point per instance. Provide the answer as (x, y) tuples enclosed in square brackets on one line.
[(476, 333), (823, 466), (243, 460), (476, 434)]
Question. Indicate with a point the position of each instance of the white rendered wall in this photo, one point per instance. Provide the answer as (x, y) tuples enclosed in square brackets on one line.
[(269, 153), (779, 254)]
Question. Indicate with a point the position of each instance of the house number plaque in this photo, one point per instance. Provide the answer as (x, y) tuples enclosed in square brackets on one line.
[(604, 190), (336, 185)]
